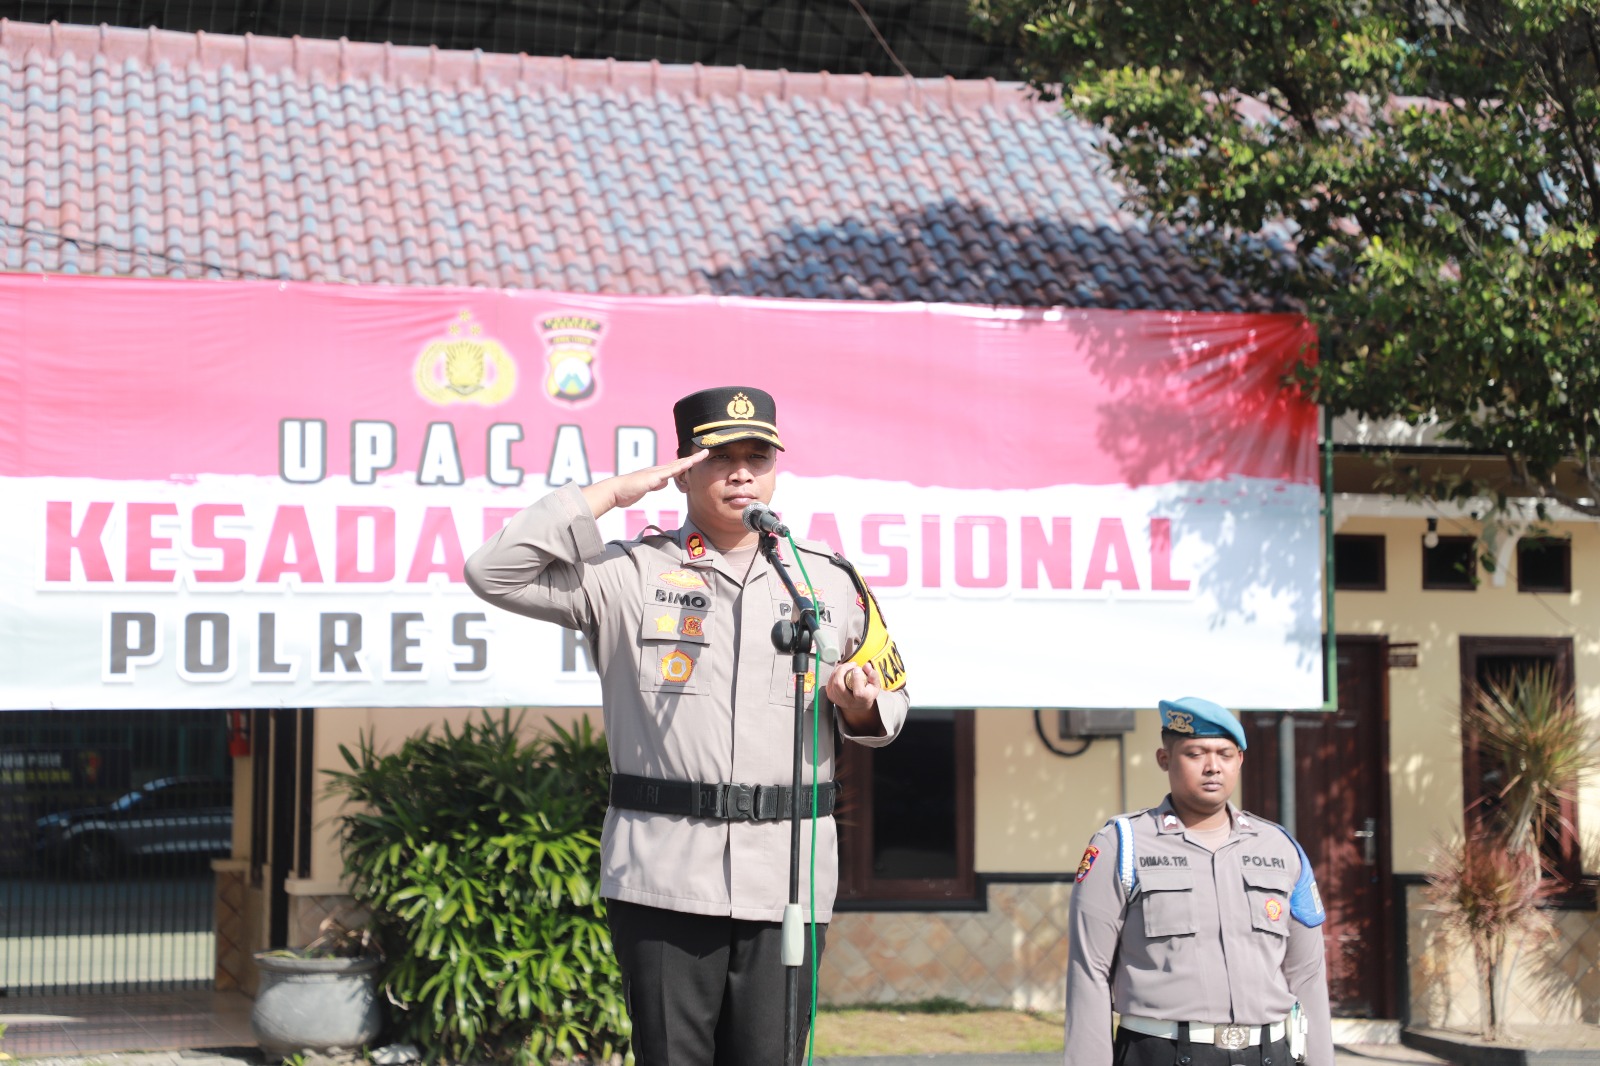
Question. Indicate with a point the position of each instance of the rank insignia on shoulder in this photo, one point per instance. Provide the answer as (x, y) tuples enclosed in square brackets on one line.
[(1085, 864), (696, 545)]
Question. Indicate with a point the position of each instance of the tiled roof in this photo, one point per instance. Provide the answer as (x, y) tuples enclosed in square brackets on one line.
[(192, 155)]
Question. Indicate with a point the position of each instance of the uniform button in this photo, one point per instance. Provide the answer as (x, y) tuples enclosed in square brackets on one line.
[(1184, 1060), (1266, 1060)]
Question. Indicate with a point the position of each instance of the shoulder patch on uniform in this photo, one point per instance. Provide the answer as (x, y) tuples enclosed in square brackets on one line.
[(1305, 903), (1085, 864)]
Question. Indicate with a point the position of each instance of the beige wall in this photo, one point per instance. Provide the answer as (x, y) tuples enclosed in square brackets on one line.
[(1035, 811), (388, 728), (1424, 703)]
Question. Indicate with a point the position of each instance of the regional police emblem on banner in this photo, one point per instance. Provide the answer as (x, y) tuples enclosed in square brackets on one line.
[(572, 347), (466, 367)]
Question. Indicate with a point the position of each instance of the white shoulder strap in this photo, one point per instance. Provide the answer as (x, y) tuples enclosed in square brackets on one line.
[(1127, 872)]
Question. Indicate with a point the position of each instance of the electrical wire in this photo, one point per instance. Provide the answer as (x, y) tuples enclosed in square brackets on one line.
[(873, 26), (82, 243), (1038, 727)]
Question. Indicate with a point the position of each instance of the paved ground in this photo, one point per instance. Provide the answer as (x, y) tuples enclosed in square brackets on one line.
[(1354, 1055), (96, 1031)]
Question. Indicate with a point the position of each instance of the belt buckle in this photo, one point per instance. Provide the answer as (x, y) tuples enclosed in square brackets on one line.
[(1232, 1037), (741, 802)]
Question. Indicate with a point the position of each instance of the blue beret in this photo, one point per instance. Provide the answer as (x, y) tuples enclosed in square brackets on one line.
[(1195, 717)]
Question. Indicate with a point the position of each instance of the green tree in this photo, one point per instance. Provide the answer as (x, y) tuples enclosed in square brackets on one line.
[(1419, 178)]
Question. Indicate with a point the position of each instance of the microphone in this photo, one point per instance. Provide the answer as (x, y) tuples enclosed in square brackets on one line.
[(759, 518)]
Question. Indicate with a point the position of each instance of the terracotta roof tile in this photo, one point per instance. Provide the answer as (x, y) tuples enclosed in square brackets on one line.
[(196, 155)]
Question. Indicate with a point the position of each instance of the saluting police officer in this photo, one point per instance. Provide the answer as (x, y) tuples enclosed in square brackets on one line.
[(698, 711), (1196, 922)]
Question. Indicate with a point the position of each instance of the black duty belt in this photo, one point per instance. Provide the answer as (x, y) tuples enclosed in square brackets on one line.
[(721, 800)]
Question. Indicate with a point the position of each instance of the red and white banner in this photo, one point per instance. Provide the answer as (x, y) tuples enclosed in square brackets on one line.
[(254, 494)]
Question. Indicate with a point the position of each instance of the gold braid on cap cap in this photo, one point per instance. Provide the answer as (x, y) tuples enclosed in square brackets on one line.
[(732, 422)]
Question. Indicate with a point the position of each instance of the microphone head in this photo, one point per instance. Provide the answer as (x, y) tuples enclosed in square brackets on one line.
[(752, 516)]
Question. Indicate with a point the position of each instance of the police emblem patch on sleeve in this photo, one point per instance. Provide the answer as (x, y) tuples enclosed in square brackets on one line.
[(1274, 909), (1085, 864)]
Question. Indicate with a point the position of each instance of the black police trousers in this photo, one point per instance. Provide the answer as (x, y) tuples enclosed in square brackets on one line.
[(703, 990), (1141, 1049)]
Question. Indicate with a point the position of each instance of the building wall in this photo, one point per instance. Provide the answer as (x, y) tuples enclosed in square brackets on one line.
[(1424, 703), (1034, 810)]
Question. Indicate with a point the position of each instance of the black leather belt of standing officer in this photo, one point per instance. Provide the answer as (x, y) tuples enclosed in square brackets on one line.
[(721, 800)]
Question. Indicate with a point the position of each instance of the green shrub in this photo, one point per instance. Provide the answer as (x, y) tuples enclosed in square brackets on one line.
[(478, 854)]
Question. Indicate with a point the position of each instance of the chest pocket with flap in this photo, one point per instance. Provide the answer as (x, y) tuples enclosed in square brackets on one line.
[(1267, 893), (676, 630), (1168, 894)]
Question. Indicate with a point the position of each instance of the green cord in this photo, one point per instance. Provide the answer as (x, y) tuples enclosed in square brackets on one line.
[(816, 694)]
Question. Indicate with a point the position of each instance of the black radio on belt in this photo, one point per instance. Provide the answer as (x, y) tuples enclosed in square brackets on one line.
[(722, 800)]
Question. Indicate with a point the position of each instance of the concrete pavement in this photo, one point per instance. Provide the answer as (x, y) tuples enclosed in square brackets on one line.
[(1350, 1055)]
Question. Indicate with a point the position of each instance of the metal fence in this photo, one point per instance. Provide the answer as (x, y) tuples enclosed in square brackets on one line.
[(108, 823)]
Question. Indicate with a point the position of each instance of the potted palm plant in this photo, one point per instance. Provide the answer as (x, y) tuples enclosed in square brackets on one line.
[(321, 996), (1491, 887)]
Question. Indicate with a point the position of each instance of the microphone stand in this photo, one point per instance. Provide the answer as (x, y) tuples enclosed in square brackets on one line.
[(794, 637)]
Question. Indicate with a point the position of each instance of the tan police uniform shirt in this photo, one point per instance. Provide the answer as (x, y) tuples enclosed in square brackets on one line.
[(1207, 938), (692, 690)]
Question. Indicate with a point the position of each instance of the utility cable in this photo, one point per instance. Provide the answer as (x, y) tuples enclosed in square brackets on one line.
[(873, 26)]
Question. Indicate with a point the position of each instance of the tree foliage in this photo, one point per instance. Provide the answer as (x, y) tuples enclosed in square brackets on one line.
[(1419, 177)]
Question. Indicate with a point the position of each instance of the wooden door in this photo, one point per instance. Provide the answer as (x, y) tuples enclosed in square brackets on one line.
[(1342, 820)]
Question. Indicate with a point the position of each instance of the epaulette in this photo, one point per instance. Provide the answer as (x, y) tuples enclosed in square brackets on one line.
[(817, 547), (1127, 872), (651, 532)]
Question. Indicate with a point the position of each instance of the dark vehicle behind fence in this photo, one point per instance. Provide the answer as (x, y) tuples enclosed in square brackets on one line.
[(170, 817)]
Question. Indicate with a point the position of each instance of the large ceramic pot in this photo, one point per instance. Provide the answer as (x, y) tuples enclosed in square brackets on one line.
[(315, 1003)]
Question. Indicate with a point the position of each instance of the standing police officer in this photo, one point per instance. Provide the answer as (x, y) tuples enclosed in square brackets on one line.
[(1196, 922), (699, 720)]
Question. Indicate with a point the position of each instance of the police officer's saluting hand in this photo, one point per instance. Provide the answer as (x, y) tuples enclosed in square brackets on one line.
[(1196, 922)]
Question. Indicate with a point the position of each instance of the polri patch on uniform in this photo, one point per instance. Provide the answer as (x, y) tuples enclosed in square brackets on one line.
[(1085, 864), (1274, 909), (692, 625), (683, 579), (696, 545)]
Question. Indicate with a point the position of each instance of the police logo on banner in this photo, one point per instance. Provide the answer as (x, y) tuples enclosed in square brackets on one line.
[(572, 349), (467, 367)]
